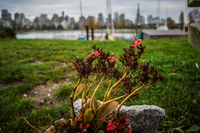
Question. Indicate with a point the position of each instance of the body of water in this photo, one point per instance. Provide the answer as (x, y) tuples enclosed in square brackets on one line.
[(69, 35)]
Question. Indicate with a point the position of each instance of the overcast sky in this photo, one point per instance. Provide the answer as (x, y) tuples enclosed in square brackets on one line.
[(33, 8)]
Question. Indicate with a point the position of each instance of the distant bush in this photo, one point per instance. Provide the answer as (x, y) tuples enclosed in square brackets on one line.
[(7, 32)]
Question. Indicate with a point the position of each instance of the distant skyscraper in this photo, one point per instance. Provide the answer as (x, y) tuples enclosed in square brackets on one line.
[(129, 23), (156, 20), (91, 17), (142, 20), (16, 15), (149, 19), (36, 23), (82, 21), (60, 19), (4, 11), (67, 18), (162, 21), (63, 14), (72, 20), (43, 19), (5, 15), (116, 17), (101, 19), (55, 19), (109, 18), (21, 20), (122, 17)]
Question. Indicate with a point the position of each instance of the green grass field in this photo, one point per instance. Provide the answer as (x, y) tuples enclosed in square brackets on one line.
[(25, 64)]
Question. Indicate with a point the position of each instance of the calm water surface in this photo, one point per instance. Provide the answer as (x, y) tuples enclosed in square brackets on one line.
[(68, 35)]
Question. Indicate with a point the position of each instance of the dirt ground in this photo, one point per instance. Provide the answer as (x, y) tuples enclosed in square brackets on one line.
[(43, 95)]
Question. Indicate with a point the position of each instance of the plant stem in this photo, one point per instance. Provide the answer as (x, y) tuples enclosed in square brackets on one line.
[(91, 99), (128, 98), (95, 77), (84, 94), (107, 91), (116, 92), (72, 98), (85, 89), (74, 89), (115, 85)]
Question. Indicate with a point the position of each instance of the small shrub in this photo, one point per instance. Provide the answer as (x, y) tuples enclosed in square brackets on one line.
[(7, 33)]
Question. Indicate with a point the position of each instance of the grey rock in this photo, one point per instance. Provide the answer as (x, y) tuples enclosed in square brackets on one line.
[(143, 118)]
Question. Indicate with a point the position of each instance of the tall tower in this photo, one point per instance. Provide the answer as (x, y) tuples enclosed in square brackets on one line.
[(138, 15), (63, 14)]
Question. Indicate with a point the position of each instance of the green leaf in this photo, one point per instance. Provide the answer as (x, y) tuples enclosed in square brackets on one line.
[(181, 126), (88, 116), (95, 104), (193, 128), (106, 109), (78, 90)]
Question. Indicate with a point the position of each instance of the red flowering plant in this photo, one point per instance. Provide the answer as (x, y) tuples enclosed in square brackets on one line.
[(103, 116)]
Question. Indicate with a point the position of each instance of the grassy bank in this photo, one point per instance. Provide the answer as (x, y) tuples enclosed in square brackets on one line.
[(25, 64)]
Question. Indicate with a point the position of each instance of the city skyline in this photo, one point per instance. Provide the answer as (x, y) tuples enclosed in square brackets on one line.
[(33, 9)]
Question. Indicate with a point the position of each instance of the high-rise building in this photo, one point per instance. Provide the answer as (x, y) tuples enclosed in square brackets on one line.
[(16, 16), (101, 19), (43, 19), (55, 18), (116, 17), (60, 19), (141, 20), (91, 17), (162, 21), (129, 23), (156, 20), (5, 16), (4, 11), (72, 20), (109, 18), (21, 20), (150, 19), (67, 18), (122, 17), (63, 14), (82, 21), (36, 23)]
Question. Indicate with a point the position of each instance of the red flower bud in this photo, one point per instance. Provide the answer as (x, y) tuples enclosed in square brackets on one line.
[(87, 126)]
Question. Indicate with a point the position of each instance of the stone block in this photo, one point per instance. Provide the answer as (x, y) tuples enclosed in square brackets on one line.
[(194, 35), (193, 3), (143, 118)]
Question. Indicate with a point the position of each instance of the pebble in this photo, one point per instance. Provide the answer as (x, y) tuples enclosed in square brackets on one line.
[(42, 101), (35, 93)]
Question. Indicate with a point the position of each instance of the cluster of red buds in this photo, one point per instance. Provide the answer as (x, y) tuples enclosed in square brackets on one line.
[(119, 125)]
